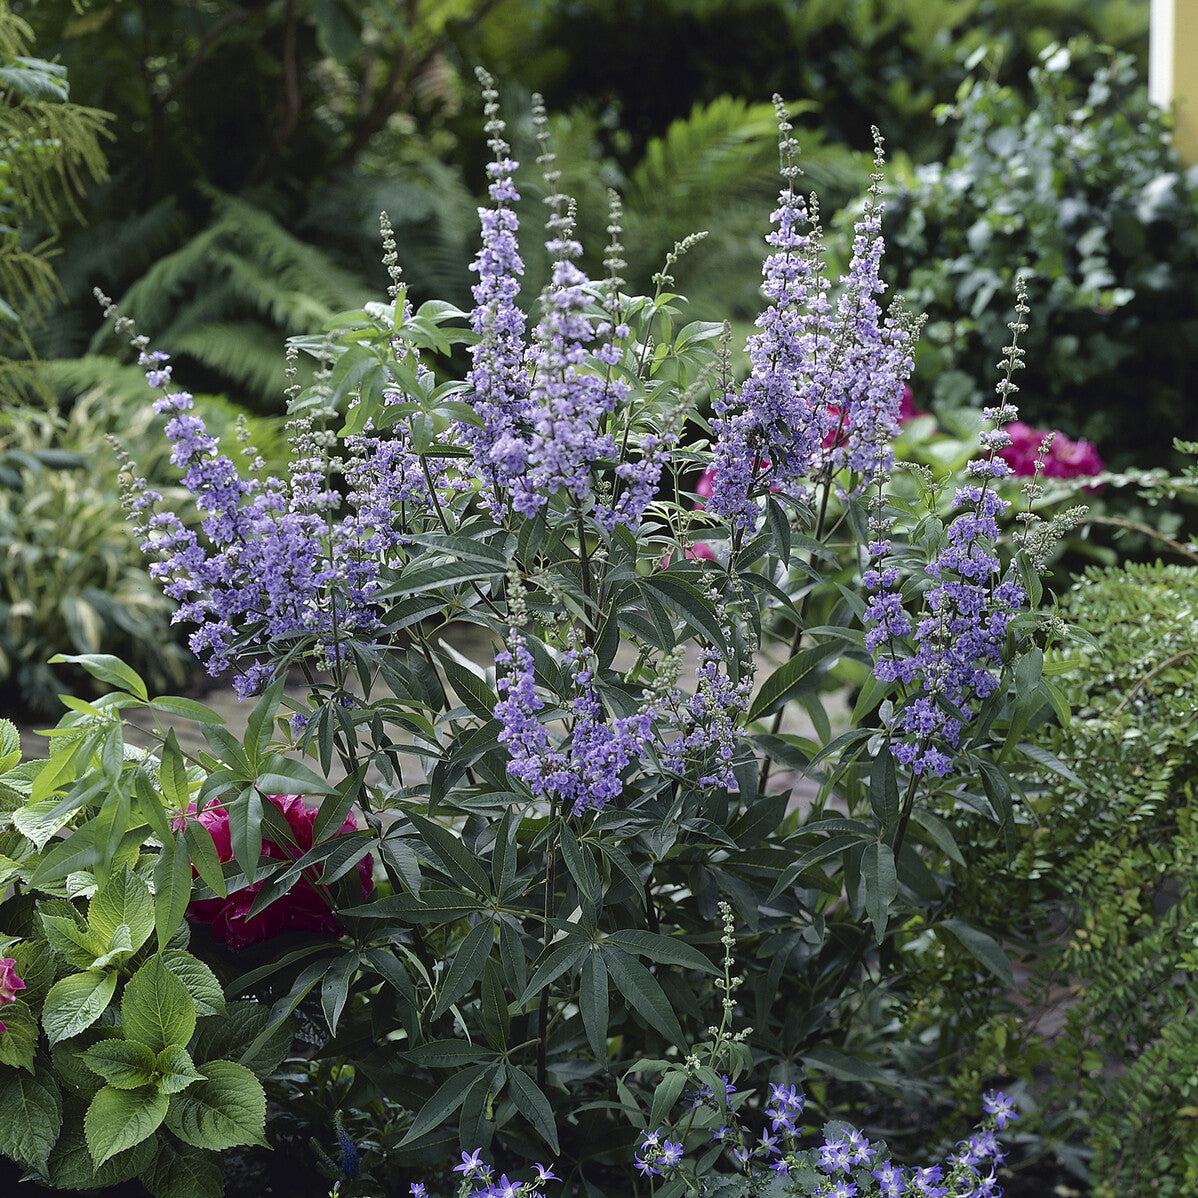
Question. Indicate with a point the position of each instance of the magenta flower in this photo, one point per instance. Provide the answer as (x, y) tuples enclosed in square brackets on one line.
[(9, 983), (306, 907), (1066, 458)]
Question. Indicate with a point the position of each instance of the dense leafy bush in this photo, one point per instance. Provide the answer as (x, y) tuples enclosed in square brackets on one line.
[(1077, 186), (569, 817)]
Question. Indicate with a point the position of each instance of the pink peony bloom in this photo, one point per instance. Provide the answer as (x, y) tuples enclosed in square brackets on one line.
[(1066, 458), (302, 909), (838, 426), (9, 983), (907, 409)]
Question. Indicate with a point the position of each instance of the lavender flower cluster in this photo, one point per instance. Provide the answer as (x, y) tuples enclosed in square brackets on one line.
[(812, 365), (846, 1164), (586, 773), (957, 657), (479, 1180)]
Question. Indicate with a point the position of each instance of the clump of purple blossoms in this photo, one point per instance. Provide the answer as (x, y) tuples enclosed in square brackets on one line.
[(654, 1154), (847, 1164), (263, 571), (809, 362), (479, 1181), (708, 723), (958, 642), (870, 353), (498, 378), (586, 772)]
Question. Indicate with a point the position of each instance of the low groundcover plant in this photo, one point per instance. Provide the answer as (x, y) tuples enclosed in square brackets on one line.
[(560, 805)]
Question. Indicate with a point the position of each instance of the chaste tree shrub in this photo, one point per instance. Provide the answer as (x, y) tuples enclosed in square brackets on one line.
[(1079, 186), (565, 817)]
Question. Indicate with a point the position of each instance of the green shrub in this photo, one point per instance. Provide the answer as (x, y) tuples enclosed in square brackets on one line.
[(1100, 897), (1079, 188)]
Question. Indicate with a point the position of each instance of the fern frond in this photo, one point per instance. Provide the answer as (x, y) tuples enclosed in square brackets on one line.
[(248, 354)]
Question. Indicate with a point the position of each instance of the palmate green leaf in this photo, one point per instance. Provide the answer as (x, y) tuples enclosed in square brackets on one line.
[(467, 966), (581, 864), (533, 1105), (434, 905), (119, 1119), (593, 1002), (172, 889), (123, 899), (470, 688), (204, 857), (334, 988), (842, 1066), (665, 950), (449, 1054), (226, 1109), (157, 1008), (449, 850), (245, 830), (76, 1002), (680, 597), (643, 993), (31, 1106), (983, 947), (282, 775), (449, 1096), (881, 885), (107, 668), (561, 958), (799, 673)]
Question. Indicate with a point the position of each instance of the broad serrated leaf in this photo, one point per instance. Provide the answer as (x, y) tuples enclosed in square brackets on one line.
[(123, 899), (76, 1002), (226, 1109), (157, 1008), (32, 1115), (176, 1070), (181, 1171), (119, 1119), (123, 1064), (202, 984)]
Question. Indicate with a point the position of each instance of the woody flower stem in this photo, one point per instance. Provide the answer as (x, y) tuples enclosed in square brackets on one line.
[(767, 762), (547, 936), (863, 932)]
